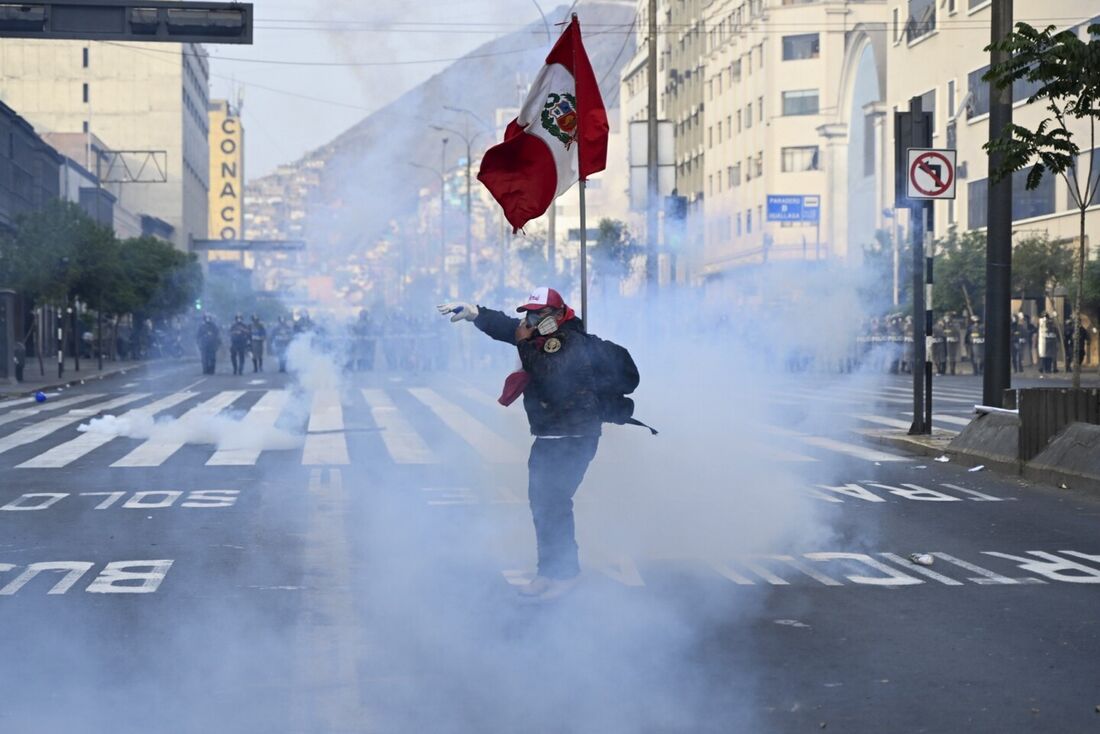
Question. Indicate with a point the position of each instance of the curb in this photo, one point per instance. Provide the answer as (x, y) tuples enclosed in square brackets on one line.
[(142, 366), (938, 444)]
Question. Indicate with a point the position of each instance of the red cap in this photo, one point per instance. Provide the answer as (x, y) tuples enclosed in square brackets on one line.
[(541, 298)]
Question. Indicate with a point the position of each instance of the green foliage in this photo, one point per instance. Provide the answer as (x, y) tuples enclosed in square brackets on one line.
[(876, 291), (1039, 265), (531, 254), (60, 254), (614, 251), (1066, 71), (960, 272), (1092, 289)]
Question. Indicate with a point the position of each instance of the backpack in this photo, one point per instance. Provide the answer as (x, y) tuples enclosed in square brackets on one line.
[(616, 377)]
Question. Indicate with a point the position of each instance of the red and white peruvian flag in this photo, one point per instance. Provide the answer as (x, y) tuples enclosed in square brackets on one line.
[(559, 136)]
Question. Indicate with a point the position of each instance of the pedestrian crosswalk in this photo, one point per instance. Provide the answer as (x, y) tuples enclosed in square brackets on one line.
[(402, 425)]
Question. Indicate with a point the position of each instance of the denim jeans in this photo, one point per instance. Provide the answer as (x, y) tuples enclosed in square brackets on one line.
[(555, 470)]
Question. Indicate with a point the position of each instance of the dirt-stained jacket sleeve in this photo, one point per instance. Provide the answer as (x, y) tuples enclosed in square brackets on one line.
[(497, 325)]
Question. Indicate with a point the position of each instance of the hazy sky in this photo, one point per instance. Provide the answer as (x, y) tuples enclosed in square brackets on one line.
[(311, 39)]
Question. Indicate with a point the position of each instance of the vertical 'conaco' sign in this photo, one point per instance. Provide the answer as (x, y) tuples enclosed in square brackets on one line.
[(226, 172)]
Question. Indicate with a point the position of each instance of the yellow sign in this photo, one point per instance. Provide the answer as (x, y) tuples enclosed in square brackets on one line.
[(226, 173)]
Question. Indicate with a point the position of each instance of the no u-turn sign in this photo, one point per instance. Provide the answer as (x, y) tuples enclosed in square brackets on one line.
[(931, 173)]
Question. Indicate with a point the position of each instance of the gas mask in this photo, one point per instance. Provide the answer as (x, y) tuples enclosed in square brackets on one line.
[(546, 325)]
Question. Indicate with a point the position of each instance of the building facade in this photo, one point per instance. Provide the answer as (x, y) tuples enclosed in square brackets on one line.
[(935, 52), (149, 99)]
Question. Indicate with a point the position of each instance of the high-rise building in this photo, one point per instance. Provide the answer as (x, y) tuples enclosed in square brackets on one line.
[(779, 123), (149, 98)]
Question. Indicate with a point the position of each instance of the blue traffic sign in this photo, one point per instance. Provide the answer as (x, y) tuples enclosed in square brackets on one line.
[(793, 208)]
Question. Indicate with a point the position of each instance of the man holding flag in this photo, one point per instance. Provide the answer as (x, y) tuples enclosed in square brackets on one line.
[(560, 136)]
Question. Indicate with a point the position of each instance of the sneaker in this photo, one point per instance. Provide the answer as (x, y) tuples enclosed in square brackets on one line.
[(558, 588), (535, 587)]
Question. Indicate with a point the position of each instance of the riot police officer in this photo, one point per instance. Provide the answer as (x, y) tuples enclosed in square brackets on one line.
[(259, 337), (209, 339), (280, 340), (975, 340), (240, 336)]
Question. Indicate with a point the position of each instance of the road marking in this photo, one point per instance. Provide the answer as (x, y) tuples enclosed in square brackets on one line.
[(44, 428), (261, 416), (155, 452), (491, 446), (15, 415), (892, 576), (975, 495), (803, 568), (117, 577), (401, 440), (326, 449), (858, 452), (16, 401), (953, 420), (66, 453), (985, 576), (915, 568)]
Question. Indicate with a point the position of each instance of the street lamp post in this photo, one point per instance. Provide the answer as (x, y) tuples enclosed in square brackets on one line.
[(468, 140), (442, 228)]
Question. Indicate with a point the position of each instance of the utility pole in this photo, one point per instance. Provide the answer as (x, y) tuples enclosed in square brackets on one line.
[(651, 157), (443, 217), (913, 129), (998, 262), (552, 238)]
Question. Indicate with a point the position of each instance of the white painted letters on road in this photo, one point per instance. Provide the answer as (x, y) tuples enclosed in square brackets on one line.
[(892, 576), (130, 577)]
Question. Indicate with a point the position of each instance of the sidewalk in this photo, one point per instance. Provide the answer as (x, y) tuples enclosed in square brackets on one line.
[(34, 381)]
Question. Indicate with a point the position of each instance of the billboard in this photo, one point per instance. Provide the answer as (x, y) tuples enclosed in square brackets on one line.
[(226, 172), (796, 208)]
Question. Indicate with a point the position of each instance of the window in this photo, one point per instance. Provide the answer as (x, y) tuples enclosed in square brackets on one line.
[(1022, 89), (760, 107), (802, 46), (735, 69), (748, 115), (735, 175), (748, 221), (896, 20), (1035, 203), (928, 104), (710, 185), (760, 60), (729, 126), (738, 120), (85, 126), (977, 3), (738, 223), (84, 61), (710, 137), (951, 6), (760, 164), (951, 98), (1071, 200), (800, 158), (748, 169), (801, 102), (977, 203), (922, 19), (1025, 204), (978, 103)]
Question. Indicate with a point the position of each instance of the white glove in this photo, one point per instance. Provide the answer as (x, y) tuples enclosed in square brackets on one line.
[(459, 311)]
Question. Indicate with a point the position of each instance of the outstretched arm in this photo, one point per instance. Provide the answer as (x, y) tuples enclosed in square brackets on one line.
[(497, 325)]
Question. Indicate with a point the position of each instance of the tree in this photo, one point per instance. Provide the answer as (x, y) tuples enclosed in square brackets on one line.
[(876, 289), (1065, 73), (614, 252), (960, 272), (1040, 266), (164, 280)]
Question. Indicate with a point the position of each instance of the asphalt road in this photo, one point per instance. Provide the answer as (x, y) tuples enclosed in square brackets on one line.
[(228, 574)]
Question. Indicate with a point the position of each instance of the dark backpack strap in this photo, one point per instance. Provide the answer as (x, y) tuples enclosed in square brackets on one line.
[(636, 422)]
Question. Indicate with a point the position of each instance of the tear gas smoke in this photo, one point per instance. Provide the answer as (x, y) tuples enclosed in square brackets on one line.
[(312, 370)]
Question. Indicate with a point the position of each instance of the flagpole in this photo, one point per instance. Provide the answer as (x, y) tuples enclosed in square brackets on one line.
[(582, 182)]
